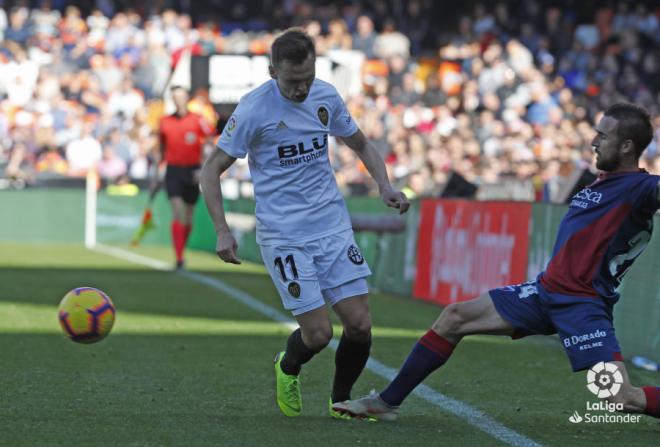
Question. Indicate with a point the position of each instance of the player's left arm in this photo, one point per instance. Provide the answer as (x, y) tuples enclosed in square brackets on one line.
[(657, 191), (376, 167)]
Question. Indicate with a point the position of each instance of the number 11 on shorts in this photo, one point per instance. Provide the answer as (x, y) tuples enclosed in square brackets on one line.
[(292, 265)]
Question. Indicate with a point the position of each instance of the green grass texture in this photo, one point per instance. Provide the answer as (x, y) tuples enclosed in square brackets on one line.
[(186, 365)]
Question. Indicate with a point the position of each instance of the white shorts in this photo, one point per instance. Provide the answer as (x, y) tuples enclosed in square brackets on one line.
[(329, 270)]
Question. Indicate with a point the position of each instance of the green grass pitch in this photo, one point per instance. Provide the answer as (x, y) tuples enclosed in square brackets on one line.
[(186, 365)]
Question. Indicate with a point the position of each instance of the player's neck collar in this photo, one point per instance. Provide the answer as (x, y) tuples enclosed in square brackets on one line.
[(603, 175)]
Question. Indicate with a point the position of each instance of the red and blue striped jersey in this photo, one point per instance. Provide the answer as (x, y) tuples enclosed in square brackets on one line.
[(608, 224)]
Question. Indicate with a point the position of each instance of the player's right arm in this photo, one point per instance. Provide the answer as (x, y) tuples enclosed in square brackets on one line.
[(233, 143), (214, 166)]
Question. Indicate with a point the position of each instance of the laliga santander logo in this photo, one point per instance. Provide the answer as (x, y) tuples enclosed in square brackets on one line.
[(575, 418), (604, 380)]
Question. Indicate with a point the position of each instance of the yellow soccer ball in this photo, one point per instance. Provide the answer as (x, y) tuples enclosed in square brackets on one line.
[(86, 315)]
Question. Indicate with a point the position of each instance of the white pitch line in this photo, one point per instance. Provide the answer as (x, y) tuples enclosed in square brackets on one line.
[(135, 258), (471, 415)]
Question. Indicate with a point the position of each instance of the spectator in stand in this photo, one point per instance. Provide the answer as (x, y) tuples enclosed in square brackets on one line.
[(85, 152), (338, 37), (127, 100), (407, 94), (511, 96), (18, 30), (391, 42), (364, 38), (45, 20), (433, 95), (72, 29), (111, 167)]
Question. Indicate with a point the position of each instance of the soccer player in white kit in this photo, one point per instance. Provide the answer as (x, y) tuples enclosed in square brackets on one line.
[(303, 226)]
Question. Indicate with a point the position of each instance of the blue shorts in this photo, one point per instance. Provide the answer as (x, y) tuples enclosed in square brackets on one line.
[(584, 324)]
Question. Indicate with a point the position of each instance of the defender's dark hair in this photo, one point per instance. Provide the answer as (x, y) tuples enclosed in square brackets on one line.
[(634, 124), (293, 45)]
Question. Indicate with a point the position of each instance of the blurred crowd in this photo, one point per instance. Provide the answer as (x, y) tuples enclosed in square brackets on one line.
[(509, 94)]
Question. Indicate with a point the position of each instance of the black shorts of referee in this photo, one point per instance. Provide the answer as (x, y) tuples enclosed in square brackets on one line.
[(181, 181)]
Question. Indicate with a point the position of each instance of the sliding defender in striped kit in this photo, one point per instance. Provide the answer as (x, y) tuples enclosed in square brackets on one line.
[(607, 226)]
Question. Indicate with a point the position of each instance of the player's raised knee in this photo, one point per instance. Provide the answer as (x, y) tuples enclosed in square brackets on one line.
[(359, 330), (318, 338), (450, 320)]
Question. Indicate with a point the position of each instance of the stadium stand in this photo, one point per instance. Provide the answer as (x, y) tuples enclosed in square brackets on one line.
[(506, 95)]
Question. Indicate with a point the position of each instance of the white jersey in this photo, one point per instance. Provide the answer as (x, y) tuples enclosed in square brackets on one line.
[(287, 142)]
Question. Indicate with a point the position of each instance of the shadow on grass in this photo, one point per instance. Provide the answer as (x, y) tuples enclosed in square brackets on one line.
[(144, 291), (176, 390), (218, 390)]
